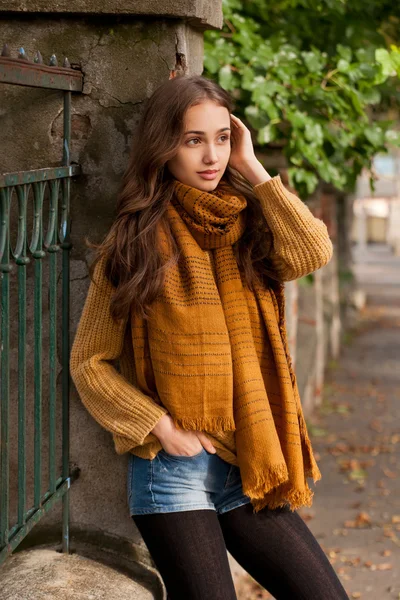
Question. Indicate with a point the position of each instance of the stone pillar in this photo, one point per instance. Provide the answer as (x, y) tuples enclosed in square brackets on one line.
[(362, 229), (125, 50)]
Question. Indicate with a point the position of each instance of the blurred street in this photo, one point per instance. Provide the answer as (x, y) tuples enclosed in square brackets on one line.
[(96, 106), (356, 432)]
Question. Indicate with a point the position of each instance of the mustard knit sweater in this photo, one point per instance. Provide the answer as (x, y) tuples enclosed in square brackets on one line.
[(102, 362)]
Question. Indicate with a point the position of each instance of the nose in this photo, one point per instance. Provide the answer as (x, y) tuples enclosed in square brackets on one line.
[(211, 155)]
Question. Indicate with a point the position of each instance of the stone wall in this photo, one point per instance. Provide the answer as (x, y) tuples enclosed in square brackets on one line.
[(125, 53)]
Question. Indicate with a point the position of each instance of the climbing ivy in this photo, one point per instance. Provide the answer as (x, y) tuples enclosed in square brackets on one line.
[(315, 77)]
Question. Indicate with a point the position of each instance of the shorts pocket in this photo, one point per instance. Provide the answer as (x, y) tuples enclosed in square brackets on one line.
[(180, 456), (233, 477)]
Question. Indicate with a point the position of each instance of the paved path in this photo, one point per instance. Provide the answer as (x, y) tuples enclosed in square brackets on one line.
[(356, 432), (356, 437)]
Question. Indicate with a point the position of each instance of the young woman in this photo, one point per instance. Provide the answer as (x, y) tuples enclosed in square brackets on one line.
[(181, 352)]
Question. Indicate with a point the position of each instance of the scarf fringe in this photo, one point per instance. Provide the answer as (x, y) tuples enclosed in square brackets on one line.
[(262, 483), (209, 424), (287, 496)]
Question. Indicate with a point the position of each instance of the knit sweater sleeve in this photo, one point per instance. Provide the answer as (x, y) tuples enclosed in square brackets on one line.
[(301, 243), (110, 398)]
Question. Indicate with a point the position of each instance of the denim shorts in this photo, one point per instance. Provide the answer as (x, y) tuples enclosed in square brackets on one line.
[(170, 483)]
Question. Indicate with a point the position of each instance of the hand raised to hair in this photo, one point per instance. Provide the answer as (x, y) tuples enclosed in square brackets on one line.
[(242, 151)]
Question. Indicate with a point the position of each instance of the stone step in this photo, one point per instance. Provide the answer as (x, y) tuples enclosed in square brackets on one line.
[(46, 574)]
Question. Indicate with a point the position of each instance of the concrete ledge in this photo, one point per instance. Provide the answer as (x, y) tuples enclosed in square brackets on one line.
[(203, 14), (114, 552), (44, 574)]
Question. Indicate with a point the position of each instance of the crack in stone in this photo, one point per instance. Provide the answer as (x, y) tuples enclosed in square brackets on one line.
[(121, 102), (79, 278), (163, 59), (96, 45)]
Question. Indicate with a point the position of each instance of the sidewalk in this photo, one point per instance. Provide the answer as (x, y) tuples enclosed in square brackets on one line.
[(356, 438), (356, 433)]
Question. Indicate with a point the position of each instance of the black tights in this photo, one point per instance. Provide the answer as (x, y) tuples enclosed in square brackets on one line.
[(274, 546)]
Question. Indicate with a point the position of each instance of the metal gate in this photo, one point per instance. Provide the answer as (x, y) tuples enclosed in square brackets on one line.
[(38, 246)]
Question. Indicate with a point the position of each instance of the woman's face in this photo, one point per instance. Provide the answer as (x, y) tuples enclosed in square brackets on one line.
[(206, 146)]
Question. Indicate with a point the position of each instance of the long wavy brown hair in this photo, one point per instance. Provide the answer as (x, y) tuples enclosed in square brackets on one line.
[(133, 263)]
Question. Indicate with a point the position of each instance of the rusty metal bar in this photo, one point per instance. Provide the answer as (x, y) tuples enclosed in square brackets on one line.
[(20, 177), (19, 534), (19, 71)]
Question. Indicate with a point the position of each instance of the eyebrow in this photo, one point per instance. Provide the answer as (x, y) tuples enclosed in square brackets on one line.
[(203, 132)]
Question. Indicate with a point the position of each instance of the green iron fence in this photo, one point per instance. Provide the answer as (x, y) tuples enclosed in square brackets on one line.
[(49, 191)]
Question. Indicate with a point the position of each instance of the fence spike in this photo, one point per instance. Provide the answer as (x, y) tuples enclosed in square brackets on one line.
[(21, 54), (66, 63), (6, 50), (38, 58), (53, 61)]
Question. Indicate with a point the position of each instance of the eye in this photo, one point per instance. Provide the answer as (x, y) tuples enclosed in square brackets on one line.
[(194, 139)]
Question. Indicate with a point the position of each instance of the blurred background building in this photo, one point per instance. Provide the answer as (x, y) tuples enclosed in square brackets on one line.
[(377, 213)]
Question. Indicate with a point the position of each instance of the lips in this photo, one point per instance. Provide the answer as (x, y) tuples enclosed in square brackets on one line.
[(208, 172)]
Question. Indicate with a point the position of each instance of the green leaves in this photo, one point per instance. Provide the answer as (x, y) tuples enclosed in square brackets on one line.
[(392, 138), (384, 58), (375, 135), (314, 61), (344, 52), (307, 179), (257, 119), (304, 75), (226, 78), (266, 134)]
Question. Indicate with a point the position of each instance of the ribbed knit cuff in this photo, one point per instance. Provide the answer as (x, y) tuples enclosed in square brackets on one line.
[(145, 420), (283, 210), (301, 241), (271, 190), (142, 427)]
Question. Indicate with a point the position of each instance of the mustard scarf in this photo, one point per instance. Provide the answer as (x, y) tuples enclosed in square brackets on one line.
[(214, 365)]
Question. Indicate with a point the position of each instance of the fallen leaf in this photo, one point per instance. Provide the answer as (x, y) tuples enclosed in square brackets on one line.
[(376, 425), (317, 431), (362, 520), (396, 519), (307, 516), (339, 448), (384, 567), (388, 473)]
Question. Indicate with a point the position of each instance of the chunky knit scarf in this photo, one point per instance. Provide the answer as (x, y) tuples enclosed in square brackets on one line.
[(214, 366)]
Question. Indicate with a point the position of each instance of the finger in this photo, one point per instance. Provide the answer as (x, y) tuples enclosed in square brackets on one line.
[(206, 442)]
